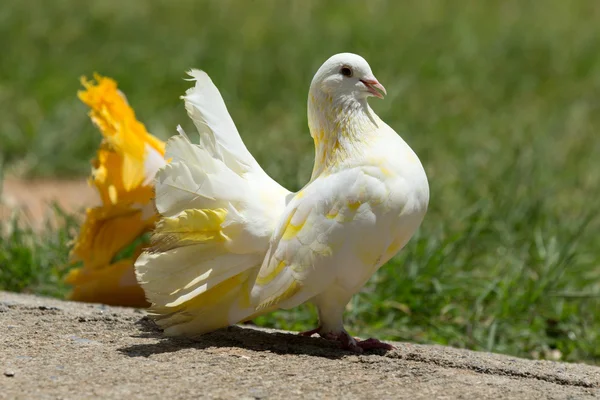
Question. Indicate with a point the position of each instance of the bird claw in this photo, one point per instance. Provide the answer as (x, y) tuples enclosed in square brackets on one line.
[(311, 332), (358, 346), (348, 342), (372, 343)]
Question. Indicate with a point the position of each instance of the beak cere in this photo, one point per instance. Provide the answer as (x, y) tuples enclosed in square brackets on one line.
[(374, 87)]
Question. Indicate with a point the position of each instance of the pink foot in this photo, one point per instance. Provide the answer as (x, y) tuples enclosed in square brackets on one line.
[(373, 343), (311, 332), (348, 342)]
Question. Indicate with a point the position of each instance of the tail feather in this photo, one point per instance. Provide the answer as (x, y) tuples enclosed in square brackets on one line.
[(218, 209), (193, 179), (218, 133), (226, 304), (192, 277)]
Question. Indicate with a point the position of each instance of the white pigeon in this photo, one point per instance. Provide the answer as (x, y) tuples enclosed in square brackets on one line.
[(232, 243)]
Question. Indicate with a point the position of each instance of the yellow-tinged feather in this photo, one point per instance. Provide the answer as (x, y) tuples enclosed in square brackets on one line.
[(290, 291), (258, 314), (210, 297), (291, 230), (394, 247), (333, 213), (195, 225), (208, 311), (204, 300), (263, 280), (368, 255), (353, 205), (386, 172), (189, 227)]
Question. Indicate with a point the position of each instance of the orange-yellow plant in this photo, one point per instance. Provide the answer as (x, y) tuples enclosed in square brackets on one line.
[(122, 173)]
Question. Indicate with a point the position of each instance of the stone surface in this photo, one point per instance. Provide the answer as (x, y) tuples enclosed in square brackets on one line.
[(56, 349)]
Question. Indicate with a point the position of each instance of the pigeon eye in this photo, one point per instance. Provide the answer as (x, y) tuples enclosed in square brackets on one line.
[(346, 71)]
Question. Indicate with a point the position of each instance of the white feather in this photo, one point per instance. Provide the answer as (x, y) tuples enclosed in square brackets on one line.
[(194, 271), (218, 133)]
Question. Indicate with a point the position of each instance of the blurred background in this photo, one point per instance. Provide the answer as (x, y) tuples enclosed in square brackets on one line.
[(500, 99)]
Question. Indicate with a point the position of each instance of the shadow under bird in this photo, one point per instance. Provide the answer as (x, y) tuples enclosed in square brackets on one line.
[(232, 243)]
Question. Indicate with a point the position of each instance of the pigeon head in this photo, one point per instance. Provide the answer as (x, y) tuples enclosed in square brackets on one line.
[(347, 75)]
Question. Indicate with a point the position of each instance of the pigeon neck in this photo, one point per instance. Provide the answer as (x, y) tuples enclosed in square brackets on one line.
[(338, 126)]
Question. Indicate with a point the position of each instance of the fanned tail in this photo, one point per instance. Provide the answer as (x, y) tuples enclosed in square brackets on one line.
[(218, 210)]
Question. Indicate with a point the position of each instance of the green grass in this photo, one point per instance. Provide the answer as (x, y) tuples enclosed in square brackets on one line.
[(501, 100), (33, 261)]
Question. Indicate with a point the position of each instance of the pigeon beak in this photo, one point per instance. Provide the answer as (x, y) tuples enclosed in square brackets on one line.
[(374, 87)]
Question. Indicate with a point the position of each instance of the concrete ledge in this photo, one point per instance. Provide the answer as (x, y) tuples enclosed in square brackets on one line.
[(57, 349)]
